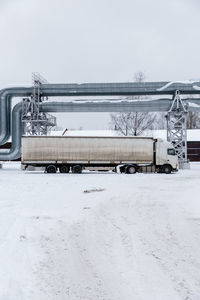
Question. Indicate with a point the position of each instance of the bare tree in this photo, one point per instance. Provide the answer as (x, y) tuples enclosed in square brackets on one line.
[(133, 123), (160, 122), (193, 120)]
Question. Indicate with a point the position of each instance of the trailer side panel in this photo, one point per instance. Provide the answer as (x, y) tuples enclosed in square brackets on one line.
[(87, 149)]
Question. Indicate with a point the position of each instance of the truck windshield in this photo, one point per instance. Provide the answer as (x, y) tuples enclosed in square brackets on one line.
[(171, 151)]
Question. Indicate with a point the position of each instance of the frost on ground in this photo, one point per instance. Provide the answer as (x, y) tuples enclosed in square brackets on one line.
[(137, 239)]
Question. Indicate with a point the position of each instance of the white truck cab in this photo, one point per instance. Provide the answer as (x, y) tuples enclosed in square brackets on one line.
[(166, 157)]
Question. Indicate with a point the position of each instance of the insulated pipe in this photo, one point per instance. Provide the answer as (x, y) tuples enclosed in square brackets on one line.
[(5, 106), (155, 105), (121, 89), (5, 110), (6, 96), (15, 151), (107, 106)]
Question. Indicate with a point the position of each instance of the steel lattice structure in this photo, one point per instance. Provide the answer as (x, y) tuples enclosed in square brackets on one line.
[(177, 127), (34, 121)]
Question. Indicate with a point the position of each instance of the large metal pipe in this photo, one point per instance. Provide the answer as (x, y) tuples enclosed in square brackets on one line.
[(101, 106), (5, 106), (121, 89), (107, 106), (6, 96), (5, 111), (15, 151)]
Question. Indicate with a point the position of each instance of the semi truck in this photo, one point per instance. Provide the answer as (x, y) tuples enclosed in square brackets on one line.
[(75, 153)]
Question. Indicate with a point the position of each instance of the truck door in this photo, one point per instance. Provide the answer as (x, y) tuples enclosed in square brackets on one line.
[(172, 158)]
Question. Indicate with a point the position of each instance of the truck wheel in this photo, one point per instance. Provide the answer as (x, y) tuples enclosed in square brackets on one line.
[(131, 170), (77, 169), (64, 169), (51, 169), (167, 169)]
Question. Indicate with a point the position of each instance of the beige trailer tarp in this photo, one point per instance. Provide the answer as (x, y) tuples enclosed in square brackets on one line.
[(87, 149)]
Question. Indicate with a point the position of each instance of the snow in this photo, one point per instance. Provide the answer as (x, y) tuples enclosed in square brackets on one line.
[(192, 134), (130, 237), (196, 87), (85, 133), (193, 104), (175, 82), (110, 100)]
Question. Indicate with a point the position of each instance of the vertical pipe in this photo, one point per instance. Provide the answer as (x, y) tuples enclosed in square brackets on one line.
[(6, 96), (5, 107), (15, 151)]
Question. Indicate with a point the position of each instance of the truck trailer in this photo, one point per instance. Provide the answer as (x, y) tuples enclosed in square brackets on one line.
[(70, 153)]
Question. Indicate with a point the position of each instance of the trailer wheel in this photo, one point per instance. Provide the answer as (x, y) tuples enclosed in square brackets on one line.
[(77, 169), (51, 169), (131, 169), (64, 169), (167, 169)]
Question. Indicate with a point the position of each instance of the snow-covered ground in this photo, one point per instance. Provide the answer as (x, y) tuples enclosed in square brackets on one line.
[(136, 238)]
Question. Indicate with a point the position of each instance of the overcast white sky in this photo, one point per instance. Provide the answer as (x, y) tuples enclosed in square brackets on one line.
[(98, 41)]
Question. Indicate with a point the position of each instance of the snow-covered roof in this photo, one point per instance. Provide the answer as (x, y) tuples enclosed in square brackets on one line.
[(85, 133), (192, 134)]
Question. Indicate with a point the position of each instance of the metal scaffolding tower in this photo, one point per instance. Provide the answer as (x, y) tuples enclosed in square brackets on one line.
[(177, 128), (36, 122)]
